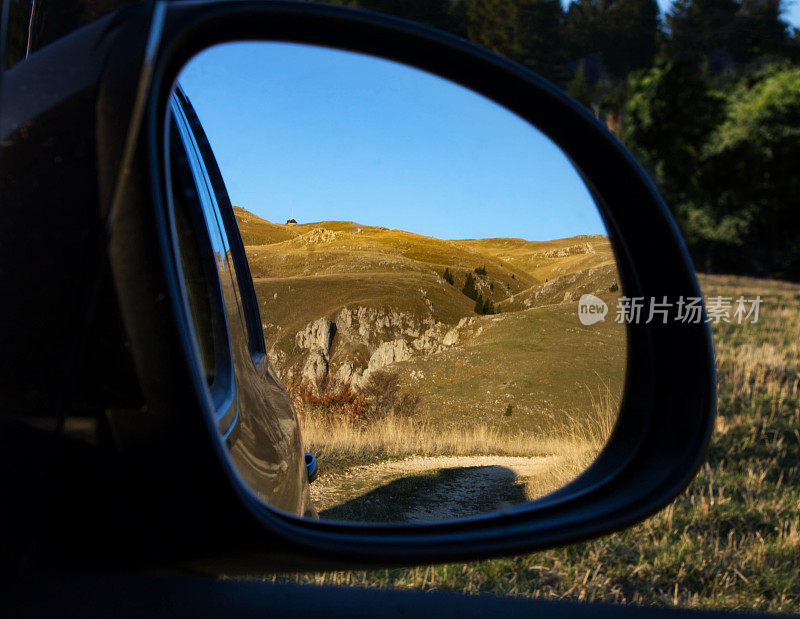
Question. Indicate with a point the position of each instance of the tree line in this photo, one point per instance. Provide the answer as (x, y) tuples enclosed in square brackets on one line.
[(707, 97)]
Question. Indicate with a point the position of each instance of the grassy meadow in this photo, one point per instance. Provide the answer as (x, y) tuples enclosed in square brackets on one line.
[(731, 540)]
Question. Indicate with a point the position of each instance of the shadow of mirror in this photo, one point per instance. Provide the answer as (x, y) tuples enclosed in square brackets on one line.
[(435, 287)]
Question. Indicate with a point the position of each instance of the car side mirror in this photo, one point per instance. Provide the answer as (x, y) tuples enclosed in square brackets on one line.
[(194, 500)]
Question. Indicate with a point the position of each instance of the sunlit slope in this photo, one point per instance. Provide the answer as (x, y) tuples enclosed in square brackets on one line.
[(343, 247), (541, 361), (546, 260), (567, 288), (341, 298)]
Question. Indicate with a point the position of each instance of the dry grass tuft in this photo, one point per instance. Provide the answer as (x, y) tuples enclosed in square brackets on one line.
[(398, 437)]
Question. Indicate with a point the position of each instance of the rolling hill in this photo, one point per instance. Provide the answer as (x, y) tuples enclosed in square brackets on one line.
[(341, 299)]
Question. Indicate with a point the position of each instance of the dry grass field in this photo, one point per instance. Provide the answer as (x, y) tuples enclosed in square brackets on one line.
[(399, 469), (731, 540)]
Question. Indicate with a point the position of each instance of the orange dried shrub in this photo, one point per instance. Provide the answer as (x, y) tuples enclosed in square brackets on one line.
[(332, 400), (327, 398)]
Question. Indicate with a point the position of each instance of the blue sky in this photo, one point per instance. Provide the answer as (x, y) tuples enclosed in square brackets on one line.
[(792, 14), (326, 134), (322, 135)]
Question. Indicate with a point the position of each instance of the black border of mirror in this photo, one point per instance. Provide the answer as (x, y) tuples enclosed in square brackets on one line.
[(669, 403)]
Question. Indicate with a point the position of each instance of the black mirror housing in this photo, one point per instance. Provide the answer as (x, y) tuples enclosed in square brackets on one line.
[(183, 501)]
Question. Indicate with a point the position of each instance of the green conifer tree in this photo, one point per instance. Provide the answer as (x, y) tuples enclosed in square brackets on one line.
[(469, 286), (448, 276)]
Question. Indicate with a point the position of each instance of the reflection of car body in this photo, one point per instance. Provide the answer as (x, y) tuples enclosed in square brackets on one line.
[(252, 410), (56, 180)]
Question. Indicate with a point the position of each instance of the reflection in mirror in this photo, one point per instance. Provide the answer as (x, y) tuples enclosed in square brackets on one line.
[(419, 256)]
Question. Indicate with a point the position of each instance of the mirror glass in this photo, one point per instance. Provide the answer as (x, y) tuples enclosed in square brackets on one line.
[(434, 284)]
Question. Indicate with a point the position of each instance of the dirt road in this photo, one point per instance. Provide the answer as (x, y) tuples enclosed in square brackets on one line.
[(424, 489)]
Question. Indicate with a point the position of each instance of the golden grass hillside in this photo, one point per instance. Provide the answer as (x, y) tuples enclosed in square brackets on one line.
[(547, 260), (395, 278)]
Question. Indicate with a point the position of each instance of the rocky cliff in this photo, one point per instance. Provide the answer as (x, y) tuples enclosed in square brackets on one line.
[(359, 340)]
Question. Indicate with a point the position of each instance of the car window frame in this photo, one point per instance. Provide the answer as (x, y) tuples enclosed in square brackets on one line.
[(230, 228), (223, 389)]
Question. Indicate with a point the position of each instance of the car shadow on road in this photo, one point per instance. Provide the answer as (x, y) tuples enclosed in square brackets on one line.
[(443, 494)]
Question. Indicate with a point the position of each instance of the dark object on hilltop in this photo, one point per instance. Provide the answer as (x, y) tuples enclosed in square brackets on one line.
[(614, 287), (291, 221), (481, 271), (509, 411)]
